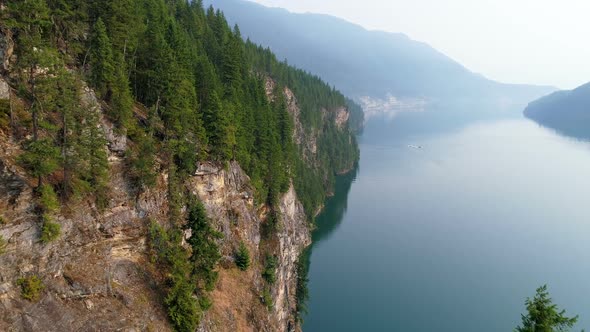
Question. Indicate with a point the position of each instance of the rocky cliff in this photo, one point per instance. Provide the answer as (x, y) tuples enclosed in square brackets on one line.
[(98, 275), (147, 181)]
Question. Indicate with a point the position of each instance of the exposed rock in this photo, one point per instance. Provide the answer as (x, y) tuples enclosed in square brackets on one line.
[(116, 141), (97, 274), (222, 192), (6, 46), (342, 116), (4, 89), (306, 141), (294, 236), (227, 196)]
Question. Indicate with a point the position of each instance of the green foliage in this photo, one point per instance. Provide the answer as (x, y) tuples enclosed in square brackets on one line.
[(141, 162), (242, 257), (31, 288), (121, 108), (267, 298), (181, 305), (202, 84), (189, 273), (102, 65), (205, 302), (270, 268), (201, 95), (50, 231), (41, 158), (544, 316), (205, 252), (48, 200)]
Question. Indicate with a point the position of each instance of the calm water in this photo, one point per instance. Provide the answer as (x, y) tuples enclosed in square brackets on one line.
[(455, 235)]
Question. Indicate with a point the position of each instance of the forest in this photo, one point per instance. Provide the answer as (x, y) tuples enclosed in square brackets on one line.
[(183, 87)]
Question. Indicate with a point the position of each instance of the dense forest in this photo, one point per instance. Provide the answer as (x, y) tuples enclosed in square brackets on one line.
[(183, 87)]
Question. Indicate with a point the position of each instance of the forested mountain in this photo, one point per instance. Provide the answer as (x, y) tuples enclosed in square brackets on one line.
[(565, 111), (145, 143), (367, 63)]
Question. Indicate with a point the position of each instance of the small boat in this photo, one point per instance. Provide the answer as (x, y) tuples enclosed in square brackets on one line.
[(415, 146)]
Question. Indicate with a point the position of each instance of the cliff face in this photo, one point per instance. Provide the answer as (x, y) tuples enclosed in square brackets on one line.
[(227, 196), (98, 274), (307, 139)]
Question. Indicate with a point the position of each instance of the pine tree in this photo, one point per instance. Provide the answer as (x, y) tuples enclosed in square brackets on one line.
[(41, 158), (121, 108), (544, 316), (102, 66), (243, 257), (69, 26), (205, 252), (217, 123)]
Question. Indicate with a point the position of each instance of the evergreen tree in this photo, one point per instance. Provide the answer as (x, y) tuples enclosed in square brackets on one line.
[(217, 123), (69, 26), (544, 316), (205, 252), (41, 158), (121, 107), (102, 66), (243, 257)]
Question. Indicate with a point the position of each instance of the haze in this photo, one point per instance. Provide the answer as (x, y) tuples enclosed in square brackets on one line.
[(514, 41)]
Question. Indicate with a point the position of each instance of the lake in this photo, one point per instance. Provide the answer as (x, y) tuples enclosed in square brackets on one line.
[(449, 223)]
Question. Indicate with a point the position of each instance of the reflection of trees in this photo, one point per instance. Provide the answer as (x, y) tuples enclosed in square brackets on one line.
[(326, 224), (335, 207)]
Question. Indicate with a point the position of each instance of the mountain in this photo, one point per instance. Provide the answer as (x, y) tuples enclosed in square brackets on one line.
[(364, 63), (567, 112), (145, 148)]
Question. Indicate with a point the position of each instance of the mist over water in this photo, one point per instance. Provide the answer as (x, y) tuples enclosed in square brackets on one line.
[(450, 222)]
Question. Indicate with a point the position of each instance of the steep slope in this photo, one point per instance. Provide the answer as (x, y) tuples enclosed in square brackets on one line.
[(146, 153), (365, 63), (565, 111)]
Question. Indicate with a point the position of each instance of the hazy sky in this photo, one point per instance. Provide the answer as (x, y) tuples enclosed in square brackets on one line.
[(513, 41)]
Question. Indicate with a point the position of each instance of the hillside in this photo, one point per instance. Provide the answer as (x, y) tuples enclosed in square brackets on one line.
[(156, 171), (364, 63), (567, 112)]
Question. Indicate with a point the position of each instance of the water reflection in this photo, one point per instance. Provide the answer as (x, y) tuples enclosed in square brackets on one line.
[(578, 131), (452, 237), (329, 220)]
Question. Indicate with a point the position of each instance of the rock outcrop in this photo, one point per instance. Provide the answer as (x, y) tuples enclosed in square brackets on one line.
[(98, 275)]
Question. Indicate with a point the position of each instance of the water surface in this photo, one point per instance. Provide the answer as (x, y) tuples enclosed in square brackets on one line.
[(449, 225)]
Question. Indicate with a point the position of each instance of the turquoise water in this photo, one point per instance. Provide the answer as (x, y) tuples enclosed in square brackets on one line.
[(453, 235)]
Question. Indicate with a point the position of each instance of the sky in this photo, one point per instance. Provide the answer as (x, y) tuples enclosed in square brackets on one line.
[(545, 42)]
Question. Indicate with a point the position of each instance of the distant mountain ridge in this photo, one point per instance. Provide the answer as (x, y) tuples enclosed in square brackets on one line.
[(364, 63), (565, 111)]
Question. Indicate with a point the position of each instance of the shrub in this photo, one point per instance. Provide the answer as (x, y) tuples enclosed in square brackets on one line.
[(31, 288), (48, 200), (50, 231), (243, 257), (270, 267), (182, 307), (2, 221), (205, 302), (267, 299)]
